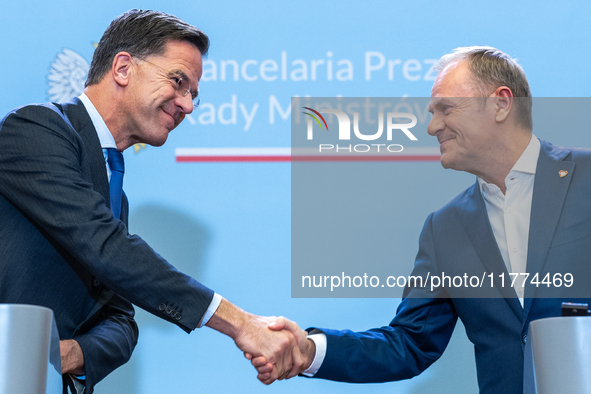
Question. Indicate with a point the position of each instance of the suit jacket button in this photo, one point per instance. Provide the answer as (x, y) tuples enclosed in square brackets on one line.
[(96, 283), (178, 316), (162, 307), (524, 339), (168, 310)]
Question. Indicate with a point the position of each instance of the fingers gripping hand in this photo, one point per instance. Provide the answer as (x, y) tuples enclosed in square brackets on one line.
[(263, 368), (300, 357), (302, 354), (266, 372), (276, 347)]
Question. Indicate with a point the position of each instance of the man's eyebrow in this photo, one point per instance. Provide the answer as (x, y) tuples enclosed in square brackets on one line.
[(435, 101), (440, 102), (179, 73)]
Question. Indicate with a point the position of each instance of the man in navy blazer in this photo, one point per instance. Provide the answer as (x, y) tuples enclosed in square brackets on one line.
[(527, 213), (62, 247)]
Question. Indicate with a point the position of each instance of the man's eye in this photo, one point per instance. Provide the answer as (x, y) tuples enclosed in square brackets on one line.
[(184, 86)]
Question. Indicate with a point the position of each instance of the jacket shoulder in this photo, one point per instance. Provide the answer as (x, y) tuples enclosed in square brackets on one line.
[(34, 119)]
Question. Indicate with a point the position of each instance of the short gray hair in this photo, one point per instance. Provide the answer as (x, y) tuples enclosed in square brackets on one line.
[(491, 69)]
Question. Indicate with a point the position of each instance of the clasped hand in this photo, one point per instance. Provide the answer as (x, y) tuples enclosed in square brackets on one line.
[(277, 348)]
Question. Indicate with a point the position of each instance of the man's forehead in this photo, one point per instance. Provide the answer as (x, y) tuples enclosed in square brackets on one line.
[(184, 56), (455, 80)]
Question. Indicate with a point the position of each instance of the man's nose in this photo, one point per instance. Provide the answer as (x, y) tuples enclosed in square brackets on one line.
[(435, 125), (186, 103)]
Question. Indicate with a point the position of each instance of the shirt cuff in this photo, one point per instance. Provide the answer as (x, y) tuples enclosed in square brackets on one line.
[(215, 303), (320, 341)]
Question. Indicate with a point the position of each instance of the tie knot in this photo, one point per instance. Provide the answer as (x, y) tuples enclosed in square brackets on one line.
[(115, 160)]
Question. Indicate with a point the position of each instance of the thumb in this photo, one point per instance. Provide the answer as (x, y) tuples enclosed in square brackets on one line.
[(277, 325), (287, 324)]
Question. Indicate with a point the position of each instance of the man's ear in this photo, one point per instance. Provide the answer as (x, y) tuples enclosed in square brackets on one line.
[(504, 100), (121, 68)]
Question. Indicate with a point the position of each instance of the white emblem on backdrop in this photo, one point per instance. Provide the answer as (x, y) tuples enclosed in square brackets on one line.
[(67, 76)]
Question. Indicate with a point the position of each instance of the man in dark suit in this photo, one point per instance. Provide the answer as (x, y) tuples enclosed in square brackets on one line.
[(527, 213), (64, 242)]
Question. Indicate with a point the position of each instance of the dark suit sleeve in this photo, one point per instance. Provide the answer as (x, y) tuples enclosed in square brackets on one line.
[(110, 341), (414, 339), (44, 171)]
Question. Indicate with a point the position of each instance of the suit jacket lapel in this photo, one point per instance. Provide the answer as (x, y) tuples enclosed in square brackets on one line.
[(477, 226), (78, 116), (548, 199)]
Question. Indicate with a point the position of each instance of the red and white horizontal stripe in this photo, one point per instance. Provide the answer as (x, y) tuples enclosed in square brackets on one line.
[(189, 155)]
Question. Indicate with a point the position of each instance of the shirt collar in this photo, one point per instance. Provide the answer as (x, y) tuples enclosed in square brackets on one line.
[(528, 161), (526, 164), (105, 137)]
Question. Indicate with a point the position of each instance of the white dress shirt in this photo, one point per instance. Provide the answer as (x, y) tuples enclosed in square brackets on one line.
[(107, 141), (509, 216), (509, 213)]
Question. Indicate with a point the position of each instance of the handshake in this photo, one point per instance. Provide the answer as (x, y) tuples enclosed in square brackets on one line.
[(276, 347)]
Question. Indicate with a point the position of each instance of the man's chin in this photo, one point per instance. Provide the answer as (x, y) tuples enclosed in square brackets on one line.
[(158, 141), (446, 162)]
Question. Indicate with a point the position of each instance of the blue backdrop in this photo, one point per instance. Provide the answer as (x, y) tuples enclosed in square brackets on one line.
[(228, 224)]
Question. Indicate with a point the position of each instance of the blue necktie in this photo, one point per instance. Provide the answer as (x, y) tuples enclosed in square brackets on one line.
[(117, 166)]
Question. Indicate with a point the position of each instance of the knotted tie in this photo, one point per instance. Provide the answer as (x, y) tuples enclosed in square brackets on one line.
[(117, 166)]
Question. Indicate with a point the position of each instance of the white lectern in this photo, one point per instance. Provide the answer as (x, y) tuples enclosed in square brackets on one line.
[(558, 356), (29, 351)]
